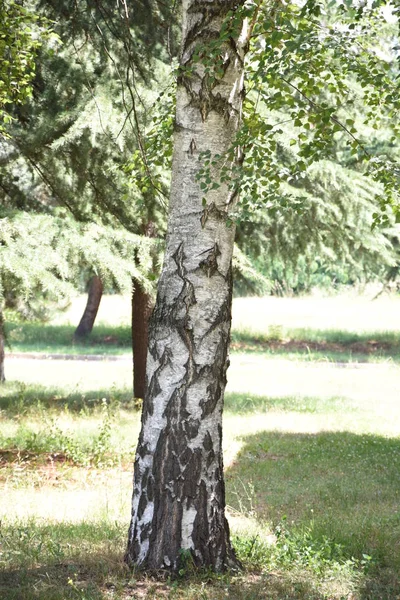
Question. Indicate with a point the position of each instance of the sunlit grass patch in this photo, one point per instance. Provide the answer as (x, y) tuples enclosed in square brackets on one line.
[(97, 438), (251, 403), (349, 311)]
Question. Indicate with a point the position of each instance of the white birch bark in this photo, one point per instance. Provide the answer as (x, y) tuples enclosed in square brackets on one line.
[(179, 499)]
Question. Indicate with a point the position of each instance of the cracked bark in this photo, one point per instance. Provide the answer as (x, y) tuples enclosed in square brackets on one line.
[(178, 503)]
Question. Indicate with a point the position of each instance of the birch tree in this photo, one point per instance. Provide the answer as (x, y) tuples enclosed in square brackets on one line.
[(179, 498), (298, 66)]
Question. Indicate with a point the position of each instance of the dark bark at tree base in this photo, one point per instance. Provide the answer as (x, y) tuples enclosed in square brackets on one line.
[(142, 305), (92, 306), (185, 485)]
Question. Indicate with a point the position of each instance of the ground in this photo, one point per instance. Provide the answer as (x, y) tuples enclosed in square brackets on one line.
[(311, 450)]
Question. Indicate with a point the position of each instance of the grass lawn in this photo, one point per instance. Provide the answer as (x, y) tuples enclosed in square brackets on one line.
[(346, 328), (312, 460)]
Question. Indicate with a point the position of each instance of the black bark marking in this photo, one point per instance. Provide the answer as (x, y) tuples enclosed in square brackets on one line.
[(201, 534), (145, 477), (224, 312), (207, 442), (142, 450), (167, 511), (191, 475), (145, 532), (150, 489), (191, 428), (197, 45), (153, 385), (210, 458), (212, 210), (192, 147), (185, 456), (209, 265)]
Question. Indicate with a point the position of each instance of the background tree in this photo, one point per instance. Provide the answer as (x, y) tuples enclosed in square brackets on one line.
[(42, 257), (67, 145), (88, 318)]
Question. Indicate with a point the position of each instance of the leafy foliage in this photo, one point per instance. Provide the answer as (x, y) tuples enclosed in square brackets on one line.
[(67, 144), (21, 35), (319, 127)]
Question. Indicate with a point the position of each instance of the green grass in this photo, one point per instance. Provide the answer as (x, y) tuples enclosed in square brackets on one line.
[(301, 343), (84, 560), (314, 513), (341, 486), (311, 452), (59, 339), (320, 344)]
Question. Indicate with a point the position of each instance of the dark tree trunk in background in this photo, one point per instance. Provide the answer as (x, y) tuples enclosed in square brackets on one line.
[(2, 376), (92, 306), (142, 305)]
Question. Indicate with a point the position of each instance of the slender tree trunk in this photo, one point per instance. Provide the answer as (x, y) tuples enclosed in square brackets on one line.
[(2, 376), (178, 504), (142, 305), (92, 306)]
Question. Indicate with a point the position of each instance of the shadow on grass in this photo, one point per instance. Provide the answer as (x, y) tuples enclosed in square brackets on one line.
[(61, 560), (84, 561), (18, 398), (329, 494)]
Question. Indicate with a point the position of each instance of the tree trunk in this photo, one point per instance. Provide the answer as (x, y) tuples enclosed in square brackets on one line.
[(178, 504), (142, 305), (2, 376), (92, 306)]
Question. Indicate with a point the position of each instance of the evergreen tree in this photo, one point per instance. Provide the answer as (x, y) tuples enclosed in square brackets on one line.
[(67, 145)]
